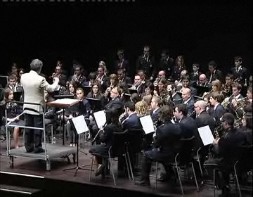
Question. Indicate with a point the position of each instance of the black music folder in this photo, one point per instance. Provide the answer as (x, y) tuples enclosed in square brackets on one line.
[(132, 90), (61, 96), (86, 89), (3, 81), (17, 96), (202, 89), (96, 104)]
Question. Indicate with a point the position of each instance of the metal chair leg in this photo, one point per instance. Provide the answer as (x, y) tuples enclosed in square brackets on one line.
[(237, 181), (195, 178)]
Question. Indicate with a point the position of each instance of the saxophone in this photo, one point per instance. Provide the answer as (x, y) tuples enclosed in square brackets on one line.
[(218, 131)]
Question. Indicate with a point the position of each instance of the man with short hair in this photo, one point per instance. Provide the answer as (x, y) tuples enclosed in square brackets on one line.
[(34, 86)]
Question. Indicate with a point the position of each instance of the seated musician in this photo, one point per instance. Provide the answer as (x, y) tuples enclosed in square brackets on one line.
[(142, 108), (129, 120), (231, 102), (188, 99), (224, 149), (187, 124), (247, 127), (115, 104), (100, 151), (167, 136), (96, 93), (81, 108)]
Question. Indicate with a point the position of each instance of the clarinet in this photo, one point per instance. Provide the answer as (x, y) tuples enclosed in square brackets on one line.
[(99, 131)]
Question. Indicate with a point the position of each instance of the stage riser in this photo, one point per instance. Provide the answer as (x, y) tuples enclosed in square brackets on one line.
[(18, 194), (51, 187)]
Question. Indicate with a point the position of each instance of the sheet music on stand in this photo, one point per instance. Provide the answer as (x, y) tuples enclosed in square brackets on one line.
[(80, 124), (147, 124), (206, 135), (65, 101), (100, 118)]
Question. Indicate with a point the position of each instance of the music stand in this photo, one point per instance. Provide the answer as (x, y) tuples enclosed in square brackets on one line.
[(63, 103), (86, 89), (96, 104), (17, 96), (202, 89), (132, 90), (3, 81), (80, 127)]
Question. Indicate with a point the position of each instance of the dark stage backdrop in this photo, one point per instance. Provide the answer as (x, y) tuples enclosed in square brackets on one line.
[(92, 31)]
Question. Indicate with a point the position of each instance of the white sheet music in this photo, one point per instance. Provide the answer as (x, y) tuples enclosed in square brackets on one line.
[(100, 118), (80, 124), (66, 101), (206, 135), (147, 124)]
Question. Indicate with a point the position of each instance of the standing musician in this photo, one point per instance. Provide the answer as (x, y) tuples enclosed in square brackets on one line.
[(216, 110), (236, 96), (121, 62), (239, 71), (146, 62)]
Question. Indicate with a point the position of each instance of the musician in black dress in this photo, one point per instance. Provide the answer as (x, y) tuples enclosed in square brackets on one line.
[(100, 151)]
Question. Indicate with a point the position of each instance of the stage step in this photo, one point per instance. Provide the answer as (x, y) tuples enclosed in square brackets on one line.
[(17, 184), (9, 190)]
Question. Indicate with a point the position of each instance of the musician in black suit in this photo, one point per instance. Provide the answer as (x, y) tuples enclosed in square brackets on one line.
[(216, 110), (239, 71), (156, 103), (124, 80), (187, 124), (115, 102), (165, 141), (146, 62), (225, 149), (213, 73), (188, 100), (202, 117), (129, 119)]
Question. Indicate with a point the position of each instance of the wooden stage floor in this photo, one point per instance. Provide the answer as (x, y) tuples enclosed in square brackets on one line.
[(63, 182)]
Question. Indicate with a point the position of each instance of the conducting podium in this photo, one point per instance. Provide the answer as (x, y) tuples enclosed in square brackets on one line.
[(63, 103)]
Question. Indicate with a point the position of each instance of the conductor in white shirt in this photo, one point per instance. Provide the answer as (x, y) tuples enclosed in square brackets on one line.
[(34, 86)]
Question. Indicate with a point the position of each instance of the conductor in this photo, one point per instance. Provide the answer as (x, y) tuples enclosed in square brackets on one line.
[(34, 86)]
